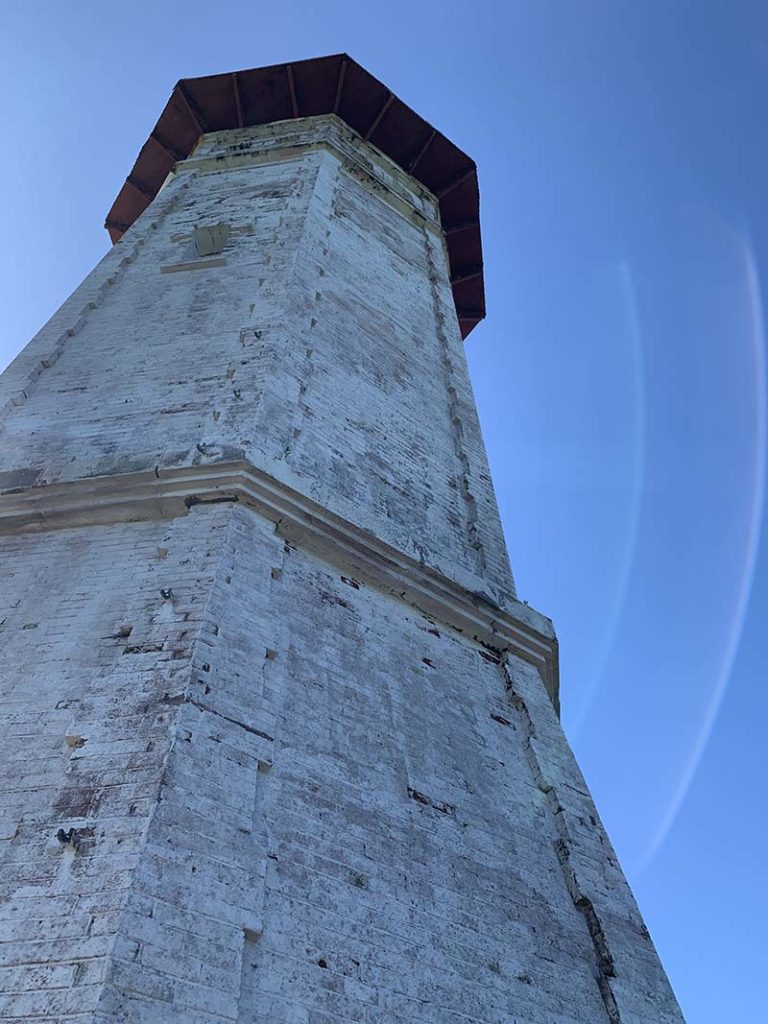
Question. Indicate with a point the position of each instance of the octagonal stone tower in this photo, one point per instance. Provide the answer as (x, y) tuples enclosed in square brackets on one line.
[(279, 742)]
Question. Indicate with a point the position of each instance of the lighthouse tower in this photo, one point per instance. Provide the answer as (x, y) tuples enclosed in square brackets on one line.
[(279, 743)]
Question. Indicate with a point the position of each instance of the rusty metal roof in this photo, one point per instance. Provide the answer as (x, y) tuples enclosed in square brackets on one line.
[(322, 85)]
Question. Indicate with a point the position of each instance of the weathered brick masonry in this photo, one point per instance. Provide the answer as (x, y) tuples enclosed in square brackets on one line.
[(260, 642)]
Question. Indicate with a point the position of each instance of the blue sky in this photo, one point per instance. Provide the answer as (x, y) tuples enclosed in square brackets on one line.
[(620, 375)]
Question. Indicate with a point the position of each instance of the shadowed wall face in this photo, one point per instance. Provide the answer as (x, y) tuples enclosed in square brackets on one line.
[(294, 795)]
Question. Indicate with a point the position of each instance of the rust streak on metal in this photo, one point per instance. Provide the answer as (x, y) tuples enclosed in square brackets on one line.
[(116, 225), (377, 120), (292, 90), (468, 274), (193, 113), (140, 187), (456, 181), (460, 225), (414, 163), (174, 154), (339, 86), (238, 101)]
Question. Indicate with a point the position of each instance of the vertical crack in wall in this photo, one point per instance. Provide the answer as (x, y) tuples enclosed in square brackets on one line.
[(605, 965), (112, 279), (303, 411), (402, 767), (251, 958), (454, 410)]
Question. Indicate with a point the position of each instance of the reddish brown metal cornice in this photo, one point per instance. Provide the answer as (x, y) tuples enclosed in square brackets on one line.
[(323, 85)]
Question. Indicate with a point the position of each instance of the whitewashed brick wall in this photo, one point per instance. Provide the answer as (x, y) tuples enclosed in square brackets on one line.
[(325, 350), (296, 799)]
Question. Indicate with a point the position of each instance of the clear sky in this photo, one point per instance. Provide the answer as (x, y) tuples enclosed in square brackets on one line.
[(620, 375)]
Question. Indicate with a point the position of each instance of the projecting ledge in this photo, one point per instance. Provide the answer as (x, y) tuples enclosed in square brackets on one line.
[(127, 497)]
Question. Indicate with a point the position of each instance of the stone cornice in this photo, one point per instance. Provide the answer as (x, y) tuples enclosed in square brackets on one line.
[(130, 497)]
